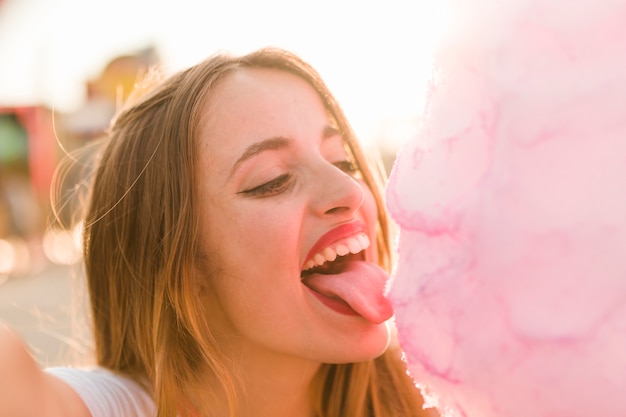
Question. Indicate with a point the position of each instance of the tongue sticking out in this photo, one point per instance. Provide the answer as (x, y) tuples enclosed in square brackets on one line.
[(360, 284)]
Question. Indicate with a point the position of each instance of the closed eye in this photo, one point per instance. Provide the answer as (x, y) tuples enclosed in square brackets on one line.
[(348, 167), (270, 188)]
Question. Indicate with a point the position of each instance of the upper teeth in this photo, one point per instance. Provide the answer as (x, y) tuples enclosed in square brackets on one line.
[(354, 244)]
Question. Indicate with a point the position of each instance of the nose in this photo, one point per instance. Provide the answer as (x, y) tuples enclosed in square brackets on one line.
[(336, 193)]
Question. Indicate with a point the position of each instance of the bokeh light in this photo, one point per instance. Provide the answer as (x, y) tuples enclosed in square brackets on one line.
[(62, 246)]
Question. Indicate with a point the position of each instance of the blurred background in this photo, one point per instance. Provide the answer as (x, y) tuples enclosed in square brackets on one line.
[(66, 65)]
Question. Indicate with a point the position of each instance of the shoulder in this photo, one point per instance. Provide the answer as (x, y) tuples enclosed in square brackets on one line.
[(106, 393), (27, 391)]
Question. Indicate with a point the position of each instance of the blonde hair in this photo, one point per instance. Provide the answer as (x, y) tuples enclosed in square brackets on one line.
[(141, 245)]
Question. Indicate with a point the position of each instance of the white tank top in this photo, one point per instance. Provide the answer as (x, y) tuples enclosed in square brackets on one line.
[(107, 394)]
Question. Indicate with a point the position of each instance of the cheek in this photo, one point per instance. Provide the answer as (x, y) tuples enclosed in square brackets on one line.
[(253, 240), (232, 225), (267, 232), (369, 207), (369, 213)]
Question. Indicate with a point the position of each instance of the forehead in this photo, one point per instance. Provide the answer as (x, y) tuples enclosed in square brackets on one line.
[(257, 95), (252, 104)]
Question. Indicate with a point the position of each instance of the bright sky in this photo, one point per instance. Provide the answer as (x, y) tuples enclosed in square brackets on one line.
[(374, 55)]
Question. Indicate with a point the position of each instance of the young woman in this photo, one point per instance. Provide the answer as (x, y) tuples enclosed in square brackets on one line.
[(235, 246)]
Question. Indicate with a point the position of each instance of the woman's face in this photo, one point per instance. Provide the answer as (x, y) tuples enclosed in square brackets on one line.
[(277, 196)]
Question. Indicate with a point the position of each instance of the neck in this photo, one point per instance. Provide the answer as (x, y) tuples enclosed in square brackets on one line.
[(277, 388), (273, 385)]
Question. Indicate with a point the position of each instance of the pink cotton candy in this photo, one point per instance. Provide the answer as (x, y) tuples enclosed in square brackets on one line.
[(510, 287)]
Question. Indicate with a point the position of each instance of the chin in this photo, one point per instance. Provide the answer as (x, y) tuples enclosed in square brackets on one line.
[(365, 347), (384, 341)]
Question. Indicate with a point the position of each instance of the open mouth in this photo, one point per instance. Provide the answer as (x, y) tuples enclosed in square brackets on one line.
[(333, 267), (341, 278), (334, 257)]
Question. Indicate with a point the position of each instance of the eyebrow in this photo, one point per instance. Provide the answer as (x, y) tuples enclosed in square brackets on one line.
[(276, 143), (271, 144)]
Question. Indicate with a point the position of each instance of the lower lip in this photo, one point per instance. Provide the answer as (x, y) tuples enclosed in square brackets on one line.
[(335, 304)]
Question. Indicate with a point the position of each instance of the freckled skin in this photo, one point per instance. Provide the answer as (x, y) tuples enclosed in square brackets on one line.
[(259, 239)]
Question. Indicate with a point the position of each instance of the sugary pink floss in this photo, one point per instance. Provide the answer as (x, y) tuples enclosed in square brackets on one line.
[(510, 286)]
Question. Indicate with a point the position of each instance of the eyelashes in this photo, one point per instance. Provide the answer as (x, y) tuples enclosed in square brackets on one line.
[(273, 187), (282, 183), (348, 167)]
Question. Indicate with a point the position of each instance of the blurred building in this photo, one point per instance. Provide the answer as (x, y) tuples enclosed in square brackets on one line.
[(106, 93), (27, 163), (34, 142)]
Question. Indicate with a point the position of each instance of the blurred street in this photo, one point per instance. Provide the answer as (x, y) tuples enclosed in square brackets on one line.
[(47, 308)]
